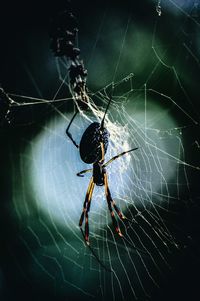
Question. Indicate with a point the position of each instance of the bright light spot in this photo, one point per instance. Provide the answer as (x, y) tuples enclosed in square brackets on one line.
[(60, 194)]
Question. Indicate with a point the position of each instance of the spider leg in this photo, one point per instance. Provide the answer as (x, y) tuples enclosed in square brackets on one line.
[(110, 204), (106, 110), (117, 156), (86, 209), (67, 129), (79, 174)]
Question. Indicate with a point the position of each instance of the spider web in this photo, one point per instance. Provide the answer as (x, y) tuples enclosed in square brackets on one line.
[(155, 108)]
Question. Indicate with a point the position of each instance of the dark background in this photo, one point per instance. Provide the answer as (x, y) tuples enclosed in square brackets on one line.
[(25, 69)]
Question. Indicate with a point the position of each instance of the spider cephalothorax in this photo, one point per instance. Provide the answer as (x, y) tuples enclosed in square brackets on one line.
[(98, 173)]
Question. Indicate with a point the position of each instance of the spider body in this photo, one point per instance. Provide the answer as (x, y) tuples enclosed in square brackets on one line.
[(93, 142)]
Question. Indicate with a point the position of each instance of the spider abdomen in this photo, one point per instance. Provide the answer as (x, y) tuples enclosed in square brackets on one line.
[(90, 144)]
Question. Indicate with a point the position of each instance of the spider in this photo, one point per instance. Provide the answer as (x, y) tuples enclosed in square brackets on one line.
[(92, 148)]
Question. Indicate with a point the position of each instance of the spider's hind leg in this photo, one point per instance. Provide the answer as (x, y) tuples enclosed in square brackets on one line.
[(110, 204), (86, 209)]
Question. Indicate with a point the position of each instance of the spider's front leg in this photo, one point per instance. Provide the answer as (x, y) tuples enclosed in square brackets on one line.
[(67, 129), (86, 209), (111, 204)]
